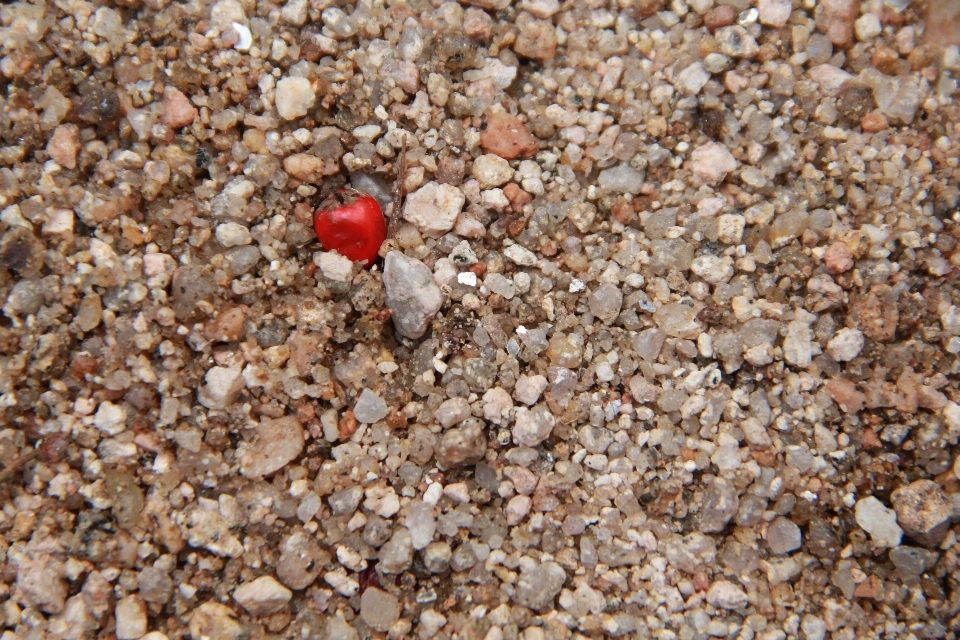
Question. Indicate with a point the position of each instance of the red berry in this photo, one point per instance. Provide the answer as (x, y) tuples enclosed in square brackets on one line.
[(351, 223)]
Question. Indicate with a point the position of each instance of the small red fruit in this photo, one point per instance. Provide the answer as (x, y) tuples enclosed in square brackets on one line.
[(351, 223)]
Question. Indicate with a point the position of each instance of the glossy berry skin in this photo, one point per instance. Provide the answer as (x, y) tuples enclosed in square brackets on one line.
[(351, 223)]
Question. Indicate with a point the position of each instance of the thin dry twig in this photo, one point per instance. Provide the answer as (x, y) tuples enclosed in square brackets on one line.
[(398, 188)]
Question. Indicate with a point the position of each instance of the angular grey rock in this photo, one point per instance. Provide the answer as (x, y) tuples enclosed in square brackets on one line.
[(413, 296), (436, 557), (726, 595), (605, 302), (262, 596), (879, 521), (720, 504), (379, 609), (621, 179), (538, 587), (532, 426), (301, 560), (421, 523), (370, 407), (346, 501), (783, 536), (395, 556)]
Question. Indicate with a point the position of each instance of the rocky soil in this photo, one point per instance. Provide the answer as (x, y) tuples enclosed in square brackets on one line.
[(665, 341)]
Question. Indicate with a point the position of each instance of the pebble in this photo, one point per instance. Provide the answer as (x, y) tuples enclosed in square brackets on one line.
[(395, 556), (605, 302), (262, 596), (529, 389), (214, 621), (413, 296), (879, 521), (867, 27), (830, 78), (491, 171), (307, 168), (222, 387), (506, 136), (431, 623), (537, 587), (774, 13), (840, 16), (846, 344), (736, 42), (177, 110), (923, 511), (301, 560), (532, 426), (875, 314), (64, 145), (379, 609), (730, 228), (370, 408), (712, 269), (334, 266), (275, 443), (726, 595), (40, 583), (838, 258), (783, 536), (110, 418), (433, 208), (798, 345), (712, 162), (537, 39), (621, 179), (520, 255), (231, 234), (452, 412), (131, 617), (693, 78), (497, 406), (720, 504), (461, 446), (294, 97)]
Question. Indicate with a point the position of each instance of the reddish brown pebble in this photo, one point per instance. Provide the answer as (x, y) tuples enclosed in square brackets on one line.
[(177, 110), (845, 394), (838, 258), (477, 24), (874, 122), (840, 16), (64, 145), (504, 135), (719, 17), (348, 425)]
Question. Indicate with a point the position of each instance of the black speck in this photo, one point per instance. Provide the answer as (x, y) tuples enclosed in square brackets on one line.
[(203, 158)]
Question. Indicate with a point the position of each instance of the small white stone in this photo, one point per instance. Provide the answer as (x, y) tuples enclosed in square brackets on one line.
[(294, 98), (367, 132), (59, 222), (830, 78), (726, 595), (232, 234), (246, 38), (797, 346), (846, 344), (713, 269), (468, 278), (223, 386), (295, 12), (868, 27), (110, 419), (712, 162), (879, 521), (334, 266), (433, 208), (351, 559), (529, 388), (520, 255), (494, 199), (774, 13), (730, 228), (692, 79), (131, 617), (262, 596), (491, 171)]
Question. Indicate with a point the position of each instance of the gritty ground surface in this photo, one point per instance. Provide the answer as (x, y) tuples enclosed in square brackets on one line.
[(665, 342)]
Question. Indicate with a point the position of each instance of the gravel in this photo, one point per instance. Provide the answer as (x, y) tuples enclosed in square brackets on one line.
[(664, 341)]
